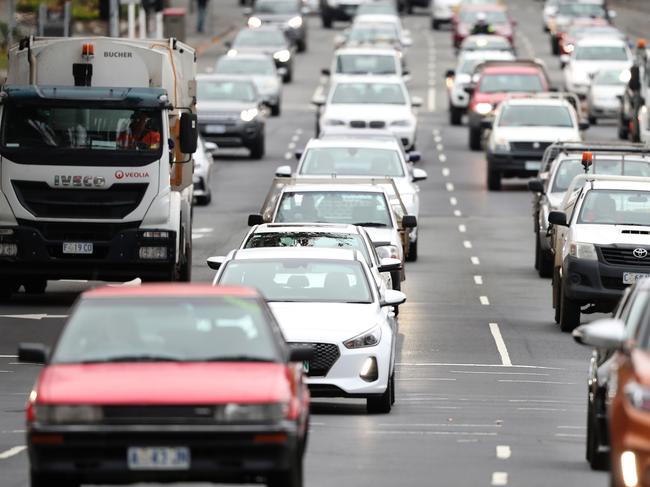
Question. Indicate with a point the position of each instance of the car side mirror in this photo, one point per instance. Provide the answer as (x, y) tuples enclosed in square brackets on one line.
[(325, 72), (297, 155), (416, 101), (414, 156), (318, 100), (612, 14), (189, 133), (409, 221), (406, 72), (210, 146), (606, 334), (283, 172), (33, 353), (407, 41), (305, 10), (389, 264), (419, 175), (486, 123), (215, 263), (536, 186), (385, 251), (393, 298), (557, 218), (228, 44), (301, 354), (583, 125), (255, 219)]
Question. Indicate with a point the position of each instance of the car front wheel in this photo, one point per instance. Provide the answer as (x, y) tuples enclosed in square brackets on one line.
[(382, 404), (569, 313), (288, 478)]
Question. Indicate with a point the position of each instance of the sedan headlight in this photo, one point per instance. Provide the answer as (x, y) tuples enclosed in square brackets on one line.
[(249, 114), (333, 122), (250, 413), (254, 22), (500, 144), (283, 56), (401, 123), (366, 339), (582, 250), (295, 22), (68, 414), (483, 108)]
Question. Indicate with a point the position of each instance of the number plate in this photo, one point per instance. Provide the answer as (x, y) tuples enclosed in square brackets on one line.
[(215, 129), (85, 248), (533, 165), (632, 277), (158, 458)]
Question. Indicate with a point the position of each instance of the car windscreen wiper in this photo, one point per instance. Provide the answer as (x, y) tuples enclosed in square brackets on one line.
[(234, 358), (133, 358), (370, 224)]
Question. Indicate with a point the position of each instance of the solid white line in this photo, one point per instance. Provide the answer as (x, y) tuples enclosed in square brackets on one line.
[(503, 452), (453, 201), (442, 158), (287, 156), (439, 425), (478, 280), (448, 364), (11, 452), (8, 356), (445, 172), (475, 260), (484, 300), (462, 228), (449, 186), (551, 410), (435, 433), (442, 379), (499, 478), (467, 244), (431, 100), (501, 346), (457, 213), (495, 373), (571, 427), (538, 382)]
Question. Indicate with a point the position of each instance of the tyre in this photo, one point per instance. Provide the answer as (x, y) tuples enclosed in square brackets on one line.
[(544, 264), (592, 120), (623, 128), (494, 180), (392, 389), (40, 480), (289, 478), (35, 286), (276, 109), (569, 313), (435, 25), (288, 78), (204, 200), (327, 21), (257, 149), (184, 269), (475, 138), (301, 45), (455, 116), (557, 289), (413, 252), (597, 459), (555, 46), (6, 290), (381, 404)]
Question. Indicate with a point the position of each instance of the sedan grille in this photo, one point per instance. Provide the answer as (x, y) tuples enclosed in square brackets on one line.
[(159, 414), (626, 256), (325, 356)]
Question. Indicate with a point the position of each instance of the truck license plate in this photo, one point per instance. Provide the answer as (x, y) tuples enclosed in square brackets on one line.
[(85, 248), (533, 165), (632, 277), (158, 458), (215, 129)]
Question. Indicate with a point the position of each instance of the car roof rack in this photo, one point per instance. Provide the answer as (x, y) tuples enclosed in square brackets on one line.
[(587, 178)]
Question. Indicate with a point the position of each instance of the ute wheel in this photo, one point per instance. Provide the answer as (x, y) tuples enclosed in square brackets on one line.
[(494, 180), (413, 252), (381, 404), (35, 286), (475, 138), (455, 116), (288, 478), (543, 264), (257, 150), (569, 314)]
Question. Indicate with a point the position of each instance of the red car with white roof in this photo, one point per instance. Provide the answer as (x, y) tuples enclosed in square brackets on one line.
[(168, 383)]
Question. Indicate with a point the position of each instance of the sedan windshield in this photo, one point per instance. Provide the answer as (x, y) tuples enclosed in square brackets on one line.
[(570, 168), (372, 34), (612, 77), (237, 65), (589, 10), (365, 64), (211, 90), (616, 207), (276, 7), (508, 82), (535, 116), (297, 280), (370, 93), (601, 53), (259, 37), (494, 17), (170, 329), (357, 208), (352, 161), (323, 240)]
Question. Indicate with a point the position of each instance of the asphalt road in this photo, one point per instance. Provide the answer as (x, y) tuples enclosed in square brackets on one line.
[(489, 392)]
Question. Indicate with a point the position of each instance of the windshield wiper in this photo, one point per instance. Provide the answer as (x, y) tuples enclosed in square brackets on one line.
[(370, 224), (234, 358), (134, 358)]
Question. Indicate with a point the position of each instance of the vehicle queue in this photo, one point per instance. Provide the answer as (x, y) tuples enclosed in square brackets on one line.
[(308, 302)]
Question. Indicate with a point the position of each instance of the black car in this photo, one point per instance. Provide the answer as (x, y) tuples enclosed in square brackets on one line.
[(270, 40), (287, 15), (331, 10), (231, 112)]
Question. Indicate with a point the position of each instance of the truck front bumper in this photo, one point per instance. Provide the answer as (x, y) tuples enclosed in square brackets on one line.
[(116, 252)]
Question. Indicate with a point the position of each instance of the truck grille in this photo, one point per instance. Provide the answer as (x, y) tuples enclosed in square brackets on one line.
[(325, 356), (113, 203), (624, 256)]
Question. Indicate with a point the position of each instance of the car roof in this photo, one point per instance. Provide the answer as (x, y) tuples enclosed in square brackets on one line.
[(360, 142), (513, 69), (170, 290), (354, 78), (486, 54), (601, 40), (369, 18), (483, 7), (382, 51), (342, 228), (310, 253), (620, 182), (333, 188), (526, 100)]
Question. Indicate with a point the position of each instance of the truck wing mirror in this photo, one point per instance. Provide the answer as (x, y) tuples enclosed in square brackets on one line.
[(189, 133)]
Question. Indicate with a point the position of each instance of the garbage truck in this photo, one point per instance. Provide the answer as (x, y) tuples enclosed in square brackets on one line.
[(96, 143)]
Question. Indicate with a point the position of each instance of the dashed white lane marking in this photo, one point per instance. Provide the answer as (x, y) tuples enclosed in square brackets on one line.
[(550, 410), (538, 382), (462, 228), (435, 433), (287, 156), (571, 427), (415, 379), (11, 452), (449, 186), (8, 356), (467, 244), (436, 138), (457, 213), (496, 373), (436, 133), (501, 345), (299, 131), (484, 300), (442, 158), (292, 146), (440, 425), (440, 147), (445, 172), (453, 201), (475, 260), (570, 435), (478, 280), (202, 230), (503, 452), (499, 478), (431, 99), (295, 138)]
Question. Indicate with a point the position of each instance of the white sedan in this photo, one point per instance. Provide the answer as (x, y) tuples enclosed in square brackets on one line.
[(327, 298), (370, 102)]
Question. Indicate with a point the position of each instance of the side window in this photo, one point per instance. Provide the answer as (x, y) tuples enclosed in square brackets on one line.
[(637, 310)]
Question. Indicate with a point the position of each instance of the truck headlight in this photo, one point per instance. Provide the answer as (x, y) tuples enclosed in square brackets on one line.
[(483, 108), (251, 413), (156, 235), (68, 414), (249, 114), (582, 250), (283, 56), (153, 253), (366, 339), (295, 22), (254, 22)]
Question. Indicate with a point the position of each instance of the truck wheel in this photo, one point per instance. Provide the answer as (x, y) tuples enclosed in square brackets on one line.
[(381, 404), (288, 478), (569, 314), (475, 138), (413, 251), (494, 180), (557, 292), (35, 286), (455, 116), (257, 150)]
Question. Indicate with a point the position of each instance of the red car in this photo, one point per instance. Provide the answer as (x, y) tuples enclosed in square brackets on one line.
[(497, 80), (466, 18), (170, 383)]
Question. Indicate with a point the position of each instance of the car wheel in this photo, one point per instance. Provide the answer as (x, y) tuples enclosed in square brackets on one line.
[(455, 116), (557, 290), (204, 199), (569, 313), (35, 286), (6, 290), (40, 480), (392, 389), (435, 25), (597, 459), (288, 478), (301, 45), (381, 404), (327, 21), (287, 78), (544, 264), (475, 138), (623, 128), (494, 180), (592, 120), (276, 109), (257, 149), (413, 251), (555, 46), (589, 450)]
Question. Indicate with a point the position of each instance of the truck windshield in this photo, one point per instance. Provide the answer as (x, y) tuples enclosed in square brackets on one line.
[(53, 133)]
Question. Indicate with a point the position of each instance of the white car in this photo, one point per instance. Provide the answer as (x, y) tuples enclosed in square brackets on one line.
[(327, 298), (485, 42), (458, 79), (385, 20), (363, 158), (605, 90), (203, 162), (592, 54), (442, 11), (356, 61), (522, 130), (371, 102)]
